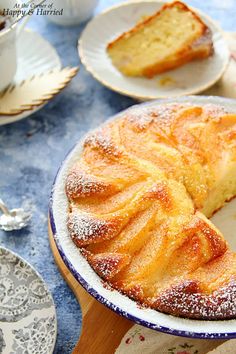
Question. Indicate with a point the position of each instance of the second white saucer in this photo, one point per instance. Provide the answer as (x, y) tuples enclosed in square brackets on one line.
[(35, 55)]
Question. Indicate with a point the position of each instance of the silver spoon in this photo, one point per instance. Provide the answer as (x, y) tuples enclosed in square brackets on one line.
[(14, 219)]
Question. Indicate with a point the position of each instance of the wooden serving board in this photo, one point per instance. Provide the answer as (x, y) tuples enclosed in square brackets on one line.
[(102, 329)]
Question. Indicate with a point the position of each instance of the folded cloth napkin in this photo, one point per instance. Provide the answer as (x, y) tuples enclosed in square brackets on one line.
[(140, 340)]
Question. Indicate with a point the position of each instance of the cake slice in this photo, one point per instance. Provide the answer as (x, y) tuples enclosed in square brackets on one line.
[(166, 40)]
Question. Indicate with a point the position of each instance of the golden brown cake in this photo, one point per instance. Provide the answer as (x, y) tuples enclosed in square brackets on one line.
[(140, 196), (170, 38)]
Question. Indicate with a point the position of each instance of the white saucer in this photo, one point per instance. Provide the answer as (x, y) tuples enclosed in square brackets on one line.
[(189, 79), (35, 56), (28, 321)]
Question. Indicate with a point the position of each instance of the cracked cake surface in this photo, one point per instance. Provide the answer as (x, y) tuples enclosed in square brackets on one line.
[(140, 195)]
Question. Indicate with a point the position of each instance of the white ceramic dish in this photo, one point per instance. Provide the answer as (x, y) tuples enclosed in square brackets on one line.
[(189, 79), (28, 321), (224, 219), (35, 55)]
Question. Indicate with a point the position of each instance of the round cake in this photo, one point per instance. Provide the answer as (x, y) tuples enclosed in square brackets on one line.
[(140, 196)]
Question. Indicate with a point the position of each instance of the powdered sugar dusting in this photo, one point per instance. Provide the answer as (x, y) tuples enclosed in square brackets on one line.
[(113, 299), (105, 143), (109, 264), (88, 229), (108, 267), (212, 111), (142, 118), (85, 229), (188, 300), (79, 184)]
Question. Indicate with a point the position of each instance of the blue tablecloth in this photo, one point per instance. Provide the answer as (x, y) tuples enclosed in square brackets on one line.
[(31, 151)]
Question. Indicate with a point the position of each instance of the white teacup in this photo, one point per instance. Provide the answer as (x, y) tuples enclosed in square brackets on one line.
[(8, 62), (73, 11), (7, 57)]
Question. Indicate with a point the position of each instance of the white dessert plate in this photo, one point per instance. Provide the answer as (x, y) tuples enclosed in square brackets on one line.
[(35, 55), (58, 211), (28, 321), (189, 79)]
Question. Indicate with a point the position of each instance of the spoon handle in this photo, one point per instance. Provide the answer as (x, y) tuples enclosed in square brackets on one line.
[(4, 208)]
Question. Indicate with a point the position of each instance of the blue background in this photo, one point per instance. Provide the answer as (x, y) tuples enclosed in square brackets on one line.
[(32, 150)]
